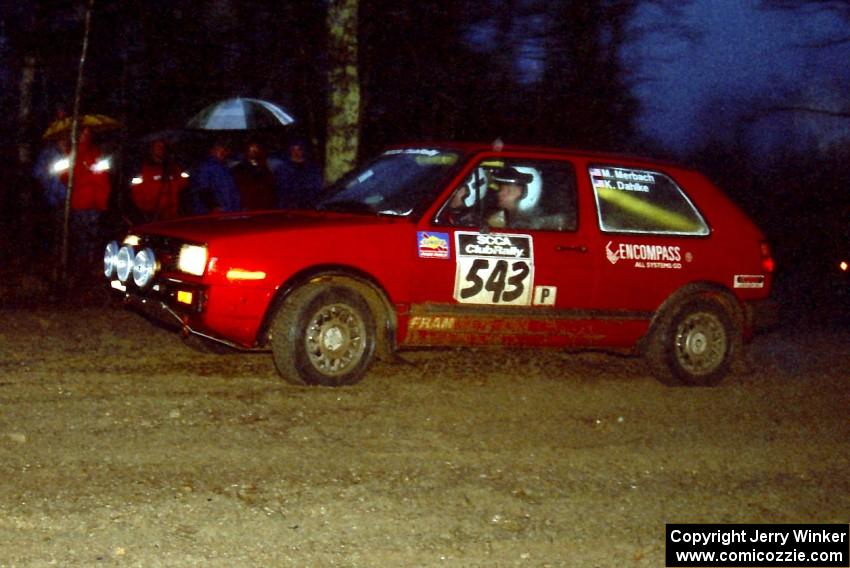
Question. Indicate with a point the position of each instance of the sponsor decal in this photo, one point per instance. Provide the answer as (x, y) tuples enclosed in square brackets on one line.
[(494, 268), (432, 245), (749, 281), (493, 245), (622, 179), (431, 323), (647, 256)]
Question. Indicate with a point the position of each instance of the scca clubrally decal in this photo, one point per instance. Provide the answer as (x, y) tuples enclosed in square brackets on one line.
[(494, 268)]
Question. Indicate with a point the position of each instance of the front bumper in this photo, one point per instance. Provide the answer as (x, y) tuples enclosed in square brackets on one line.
[(184, 298), (162, 305)]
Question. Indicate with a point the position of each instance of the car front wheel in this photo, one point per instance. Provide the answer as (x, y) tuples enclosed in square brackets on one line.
[(694, 343), (323, 335)]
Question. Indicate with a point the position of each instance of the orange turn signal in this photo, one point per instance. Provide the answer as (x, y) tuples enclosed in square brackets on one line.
[(241, 274)]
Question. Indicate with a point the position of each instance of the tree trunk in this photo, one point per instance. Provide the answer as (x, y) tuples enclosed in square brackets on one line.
[(25, 109), (343, 134)]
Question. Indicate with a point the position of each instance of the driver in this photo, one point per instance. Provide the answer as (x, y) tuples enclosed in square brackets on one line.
[(458, 213), (512, 188)]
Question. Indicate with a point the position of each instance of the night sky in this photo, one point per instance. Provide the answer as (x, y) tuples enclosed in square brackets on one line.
[(742, 53)]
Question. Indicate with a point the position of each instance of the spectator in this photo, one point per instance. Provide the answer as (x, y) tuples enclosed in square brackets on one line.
[(89, 200), (50, 167), (255, 180), (156, 187), (298, 180), (212, 188)]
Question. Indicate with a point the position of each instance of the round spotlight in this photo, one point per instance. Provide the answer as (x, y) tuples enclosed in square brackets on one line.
[(110, 259), (144, 266), (124, 263)]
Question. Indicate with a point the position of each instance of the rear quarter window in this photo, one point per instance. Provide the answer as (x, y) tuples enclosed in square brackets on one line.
[(632, 200)]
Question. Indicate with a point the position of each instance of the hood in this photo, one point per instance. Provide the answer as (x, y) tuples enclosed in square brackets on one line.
[(224, 226)]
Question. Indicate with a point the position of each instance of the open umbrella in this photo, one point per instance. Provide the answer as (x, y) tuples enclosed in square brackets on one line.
[(241, 114), (95, 122)]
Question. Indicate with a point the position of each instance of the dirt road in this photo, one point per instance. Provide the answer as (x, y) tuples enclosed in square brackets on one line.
[(120, 446)]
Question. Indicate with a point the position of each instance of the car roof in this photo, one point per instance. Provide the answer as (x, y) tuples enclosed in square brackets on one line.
[(471, 147)]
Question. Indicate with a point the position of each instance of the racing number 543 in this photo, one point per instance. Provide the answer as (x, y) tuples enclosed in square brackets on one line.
[(506, 282)]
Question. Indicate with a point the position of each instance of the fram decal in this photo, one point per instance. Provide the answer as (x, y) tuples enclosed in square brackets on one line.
[(432, 245), (428, 322), (646, 256)]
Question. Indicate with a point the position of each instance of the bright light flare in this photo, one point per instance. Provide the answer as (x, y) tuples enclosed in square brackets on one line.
[(102, 165), (192, 259), (61, 165)]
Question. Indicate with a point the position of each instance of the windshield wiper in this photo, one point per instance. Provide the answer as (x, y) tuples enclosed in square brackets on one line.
[(345, 206)]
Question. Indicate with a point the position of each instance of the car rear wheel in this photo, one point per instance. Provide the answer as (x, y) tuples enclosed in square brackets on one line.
[(694, 343), (323, 335)]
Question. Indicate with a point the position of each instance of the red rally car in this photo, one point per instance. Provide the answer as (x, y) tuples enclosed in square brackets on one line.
[(467, 245)]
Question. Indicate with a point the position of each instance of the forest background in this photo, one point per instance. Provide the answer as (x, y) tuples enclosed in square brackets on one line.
[(359, 75)]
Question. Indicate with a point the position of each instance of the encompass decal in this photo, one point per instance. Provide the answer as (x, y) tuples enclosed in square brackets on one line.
[(647, 256)]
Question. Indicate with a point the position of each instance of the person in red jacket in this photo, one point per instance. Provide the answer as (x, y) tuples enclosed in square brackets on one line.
[(89, 199), (254, 179), (156, 188)]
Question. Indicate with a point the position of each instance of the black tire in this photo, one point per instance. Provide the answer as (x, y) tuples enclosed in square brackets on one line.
[(323, 335), (693, 343)]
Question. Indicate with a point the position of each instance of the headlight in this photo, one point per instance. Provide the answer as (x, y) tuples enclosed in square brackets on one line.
[(136, 180), (192, 259), (144, 266), (124, 263), (110, 259)]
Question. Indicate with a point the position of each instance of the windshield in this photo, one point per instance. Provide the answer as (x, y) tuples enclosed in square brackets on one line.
[(393, 184)]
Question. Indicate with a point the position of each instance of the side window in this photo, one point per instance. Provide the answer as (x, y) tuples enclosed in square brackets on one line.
[(515, 194), (643, 201)]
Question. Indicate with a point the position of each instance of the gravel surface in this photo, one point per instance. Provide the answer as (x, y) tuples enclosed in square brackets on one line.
[(121, 446)]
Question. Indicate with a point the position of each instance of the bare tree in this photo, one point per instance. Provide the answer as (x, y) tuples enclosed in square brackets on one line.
[(840, 9), (343, 134)]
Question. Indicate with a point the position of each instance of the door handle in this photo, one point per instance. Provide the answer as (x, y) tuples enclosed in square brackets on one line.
[(571, 248)]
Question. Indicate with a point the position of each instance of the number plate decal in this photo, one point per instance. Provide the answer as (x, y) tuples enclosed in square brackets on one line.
[(495, 268)]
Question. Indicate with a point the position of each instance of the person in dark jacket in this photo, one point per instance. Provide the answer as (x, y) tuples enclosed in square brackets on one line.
[(298, 180), (212, 188)]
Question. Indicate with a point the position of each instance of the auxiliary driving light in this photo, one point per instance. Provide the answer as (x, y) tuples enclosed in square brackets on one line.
[(144, 266), (124, 263), (110, 259)]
